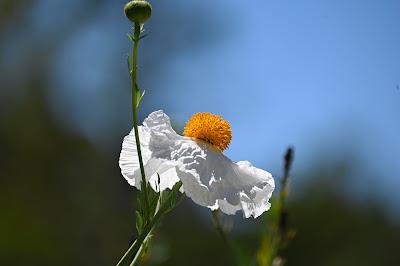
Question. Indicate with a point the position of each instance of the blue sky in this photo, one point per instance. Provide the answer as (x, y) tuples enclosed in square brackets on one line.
[(320, 75)]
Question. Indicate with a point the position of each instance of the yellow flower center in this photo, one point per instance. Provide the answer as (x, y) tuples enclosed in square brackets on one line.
[(209, 128)]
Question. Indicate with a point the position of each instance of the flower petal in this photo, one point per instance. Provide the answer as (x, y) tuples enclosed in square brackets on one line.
[(156, 142), (213, 180)]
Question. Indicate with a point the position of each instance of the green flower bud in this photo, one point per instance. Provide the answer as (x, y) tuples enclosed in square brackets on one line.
[(138, 11)]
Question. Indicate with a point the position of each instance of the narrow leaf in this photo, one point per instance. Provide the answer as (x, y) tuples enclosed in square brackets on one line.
[(139, 222), (129, 64), (143, 36), (130, 37), (137, 91)]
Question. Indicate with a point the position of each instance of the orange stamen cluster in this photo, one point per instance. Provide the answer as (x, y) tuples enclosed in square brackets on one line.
[(209, 128)]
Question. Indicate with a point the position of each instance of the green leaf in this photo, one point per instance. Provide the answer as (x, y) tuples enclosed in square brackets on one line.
[(177, 186), (129, 64), (143, 36), (139, 222), (139, 202), (172, 198), (138, 95), (141, 96), (153, 198), (130, 37)]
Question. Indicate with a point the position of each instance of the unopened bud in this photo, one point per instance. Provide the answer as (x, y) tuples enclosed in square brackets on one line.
[(138, 11)]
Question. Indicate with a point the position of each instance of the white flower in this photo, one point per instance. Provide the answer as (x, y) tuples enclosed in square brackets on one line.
[(209, 178)]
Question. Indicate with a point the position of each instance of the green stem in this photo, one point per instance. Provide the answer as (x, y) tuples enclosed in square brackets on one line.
[(126, 256), (135, 91), (136, 248), (139, 253)]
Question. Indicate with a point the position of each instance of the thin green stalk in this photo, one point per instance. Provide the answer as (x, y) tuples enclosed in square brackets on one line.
[(135, 92), (136, 248), (126, 256), (139, 253), (139, 242)]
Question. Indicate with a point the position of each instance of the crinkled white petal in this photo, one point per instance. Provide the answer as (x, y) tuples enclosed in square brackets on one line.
[(213, 180), (208, 176), (156, 136)]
